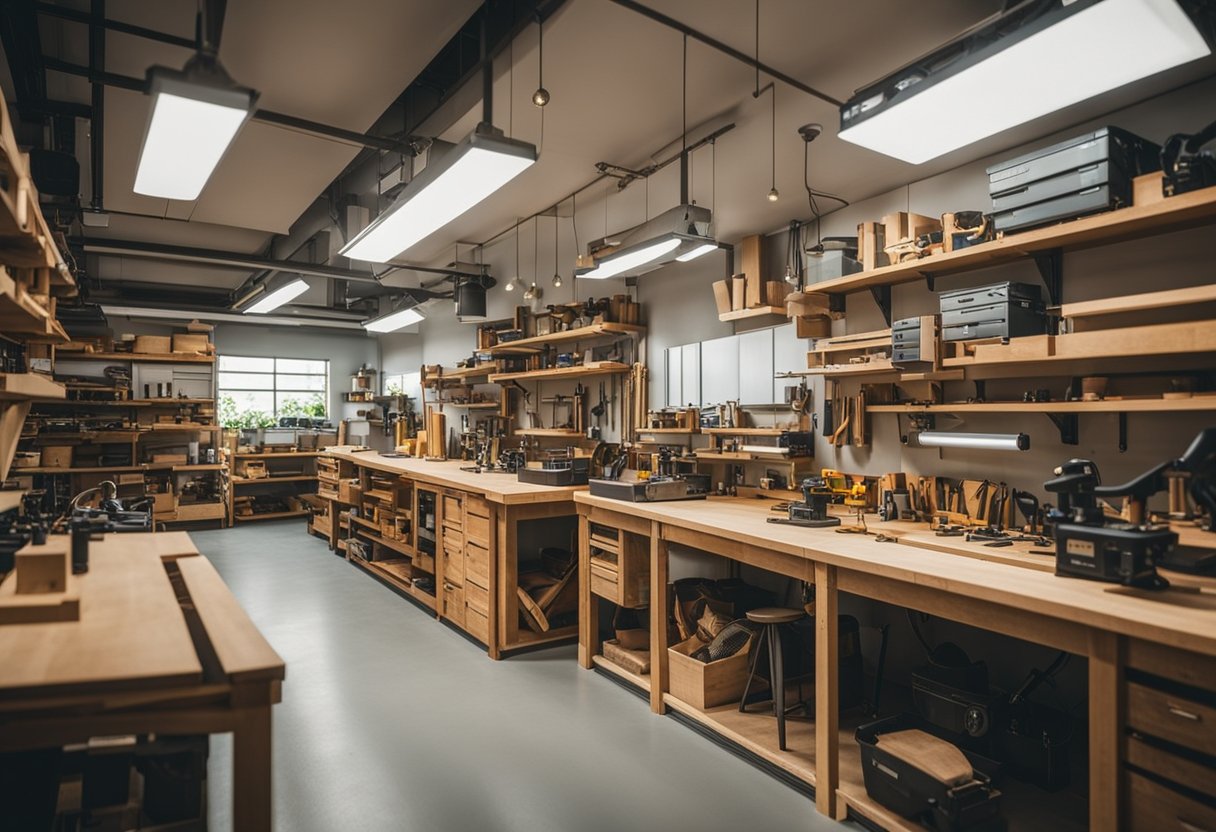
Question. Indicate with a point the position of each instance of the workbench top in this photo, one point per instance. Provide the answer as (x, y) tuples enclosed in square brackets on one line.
[(1183, 616), (496, 487), (132, 633)]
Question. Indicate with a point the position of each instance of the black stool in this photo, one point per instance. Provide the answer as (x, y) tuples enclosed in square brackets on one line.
[(771, 619)]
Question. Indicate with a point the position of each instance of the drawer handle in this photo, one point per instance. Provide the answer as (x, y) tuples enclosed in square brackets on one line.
[(1181, 714)]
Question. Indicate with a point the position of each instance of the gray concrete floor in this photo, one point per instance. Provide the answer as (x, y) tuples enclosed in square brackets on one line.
[(392, 721)]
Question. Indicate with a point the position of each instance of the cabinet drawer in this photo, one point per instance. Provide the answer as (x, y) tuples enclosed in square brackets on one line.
[(477, 565), (1174, 718), (452, 605), (477, 528), (453, 537), (1153, 807), (620, 567), (606, 538), (1172, 767), (453, 512), (473, 504), (453, 564), (477, 625), (477, 598)]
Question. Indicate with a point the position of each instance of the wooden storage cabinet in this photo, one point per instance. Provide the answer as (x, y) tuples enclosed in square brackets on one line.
[(620, 566), (1154, 807), (453, 563), (452, 607), (1171, 717), (477, 565)]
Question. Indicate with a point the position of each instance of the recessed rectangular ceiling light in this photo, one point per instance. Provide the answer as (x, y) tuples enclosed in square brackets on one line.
[(699, 251), (999, 77), (394, 320), (632, 259), (193, 119), (448, 186), (275, 298)]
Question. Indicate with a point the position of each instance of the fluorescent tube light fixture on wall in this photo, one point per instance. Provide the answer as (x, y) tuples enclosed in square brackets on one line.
[(1031, 61), (194, 116), (974, 441), (460, 177)]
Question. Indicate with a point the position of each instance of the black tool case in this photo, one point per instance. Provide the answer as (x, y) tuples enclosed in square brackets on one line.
[(974, 807), (999, 310), (576, 473), (1083, 175)]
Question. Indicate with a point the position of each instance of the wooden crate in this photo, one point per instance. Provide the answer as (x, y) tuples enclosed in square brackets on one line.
[(200, 511), (705, 685)]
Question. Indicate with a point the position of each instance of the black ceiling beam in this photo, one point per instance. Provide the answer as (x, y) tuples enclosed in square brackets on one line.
[(303, 125), (239, 260), (726, 49), (52, 10)]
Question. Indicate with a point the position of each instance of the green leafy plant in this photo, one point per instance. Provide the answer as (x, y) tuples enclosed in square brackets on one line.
[(249, 419), (313, 406)]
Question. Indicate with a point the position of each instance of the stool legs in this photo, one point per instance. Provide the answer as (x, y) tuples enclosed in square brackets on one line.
[(777, 681), (751, 671)]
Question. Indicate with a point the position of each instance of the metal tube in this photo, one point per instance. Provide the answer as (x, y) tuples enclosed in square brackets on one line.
[(51, 10), (97, 127)]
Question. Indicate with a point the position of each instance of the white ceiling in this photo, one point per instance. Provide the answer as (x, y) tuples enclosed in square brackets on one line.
[(615, 80)]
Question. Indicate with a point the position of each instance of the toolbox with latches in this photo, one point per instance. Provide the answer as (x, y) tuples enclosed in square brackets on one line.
[(999, 310)]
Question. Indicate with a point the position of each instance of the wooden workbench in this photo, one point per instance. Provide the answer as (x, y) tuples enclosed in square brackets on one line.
[(503, 503), (1008, 590), (161, 646)]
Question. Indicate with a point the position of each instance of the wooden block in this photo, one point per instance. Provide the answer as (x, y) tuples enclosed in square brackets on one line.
[(153, 344), (871, 239), (775, 292), (751, 263), (39, 608), (191, 343), (722, 296), (1147, 189), (42, 569), (812, 326), (738, 293), (57, 456)]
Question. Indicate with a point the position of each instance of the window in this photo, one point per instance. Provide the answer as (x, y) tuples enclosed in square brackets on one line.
[(255, 391)]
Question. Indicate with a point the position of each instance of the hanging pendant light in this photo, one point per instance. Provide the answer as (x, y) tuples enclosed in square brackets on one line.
[(541, 97), (557, 276), (774, 194)]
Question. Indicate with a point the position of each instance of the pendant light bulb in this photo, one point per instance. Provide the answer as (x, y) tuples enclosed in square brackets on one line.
[(557, 281), (774, 195), (532, 292), (790, 277), (510, 287), (541, 97)]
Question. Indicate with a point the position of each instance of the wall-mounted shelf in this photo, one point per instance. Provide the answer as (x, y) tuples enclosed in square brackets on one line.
[(173, 358), (598, 368), (28, 315), (29, 387), (469, 405), (756, 312), (746, 431), (1146, 405), (10, 500), (288, 455), (533, 344), (671, 431), (267, 480), (1177, 212), (458, 375), (565, 432)]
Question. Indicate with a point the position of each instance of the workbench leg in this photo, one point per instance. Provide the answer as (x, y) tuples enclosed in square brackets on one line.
[(493, 643), (508, 580), (827, 690), (252, 794), (658, 619), (1105, 729), (588, 603)]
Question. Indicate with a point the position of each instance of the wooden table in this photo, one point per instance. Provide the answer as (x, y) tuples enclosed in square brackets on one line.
[(1008, 591), (161, 646), (509, 503)]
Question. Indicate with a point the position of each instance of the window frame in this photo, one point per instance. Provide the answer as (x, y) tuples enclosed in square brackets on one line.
[(278, 396)]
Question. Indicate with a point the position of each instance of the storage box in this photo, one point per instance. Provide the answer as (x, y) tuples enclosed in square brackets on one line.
[(722, 296), (200, 511), (830, 265), (349, 491), (705, 685), (164, 502), (192, 343), (42, 569), (57, 456), (738, 293), (153, 344)]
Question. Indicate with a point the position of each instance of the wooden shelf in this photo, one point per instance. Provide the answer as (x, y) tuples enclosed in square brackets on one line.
[(27, 386), (171, 428), (396, 575), (88, 404), (458, 375), (604, 663), (747, 456), (272, 515), (1195, 208), (27, 315), (245, 481), (757, 312), (10, 500), (292, 454), (118, 469), (396, 545), (746, 431), (670, 431), (882, 367), (1195, 403), (531, 345), (167, 402), (563, 432), (172, 358), (469, 405), (600, 368)]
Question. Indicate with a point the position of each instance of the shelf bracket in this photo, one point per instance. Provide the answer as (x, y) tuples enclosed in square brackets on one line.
[(882, 296), (1067, 423), (1122, 433), (836, 302), (1051, 267), (930, 281), (981, 390)]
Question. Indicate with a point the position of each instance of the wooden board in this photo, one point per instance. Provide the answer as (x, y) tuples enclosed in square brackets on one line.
[(243, 652), (1139, 303), (597, 368), (535, 343), (41, 607)]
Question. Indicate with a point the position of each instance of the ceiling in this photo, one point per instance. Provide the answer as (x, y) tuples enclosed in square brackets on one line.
[(615, 80)]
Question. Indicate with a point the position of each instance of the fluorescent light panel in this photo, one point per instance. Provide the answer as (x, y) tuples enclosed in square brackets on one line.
[(975, 441), (394, 320), (1108, 45), (634, 259), (190, 127), (275, 298), (699, 251), (448, 187)]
